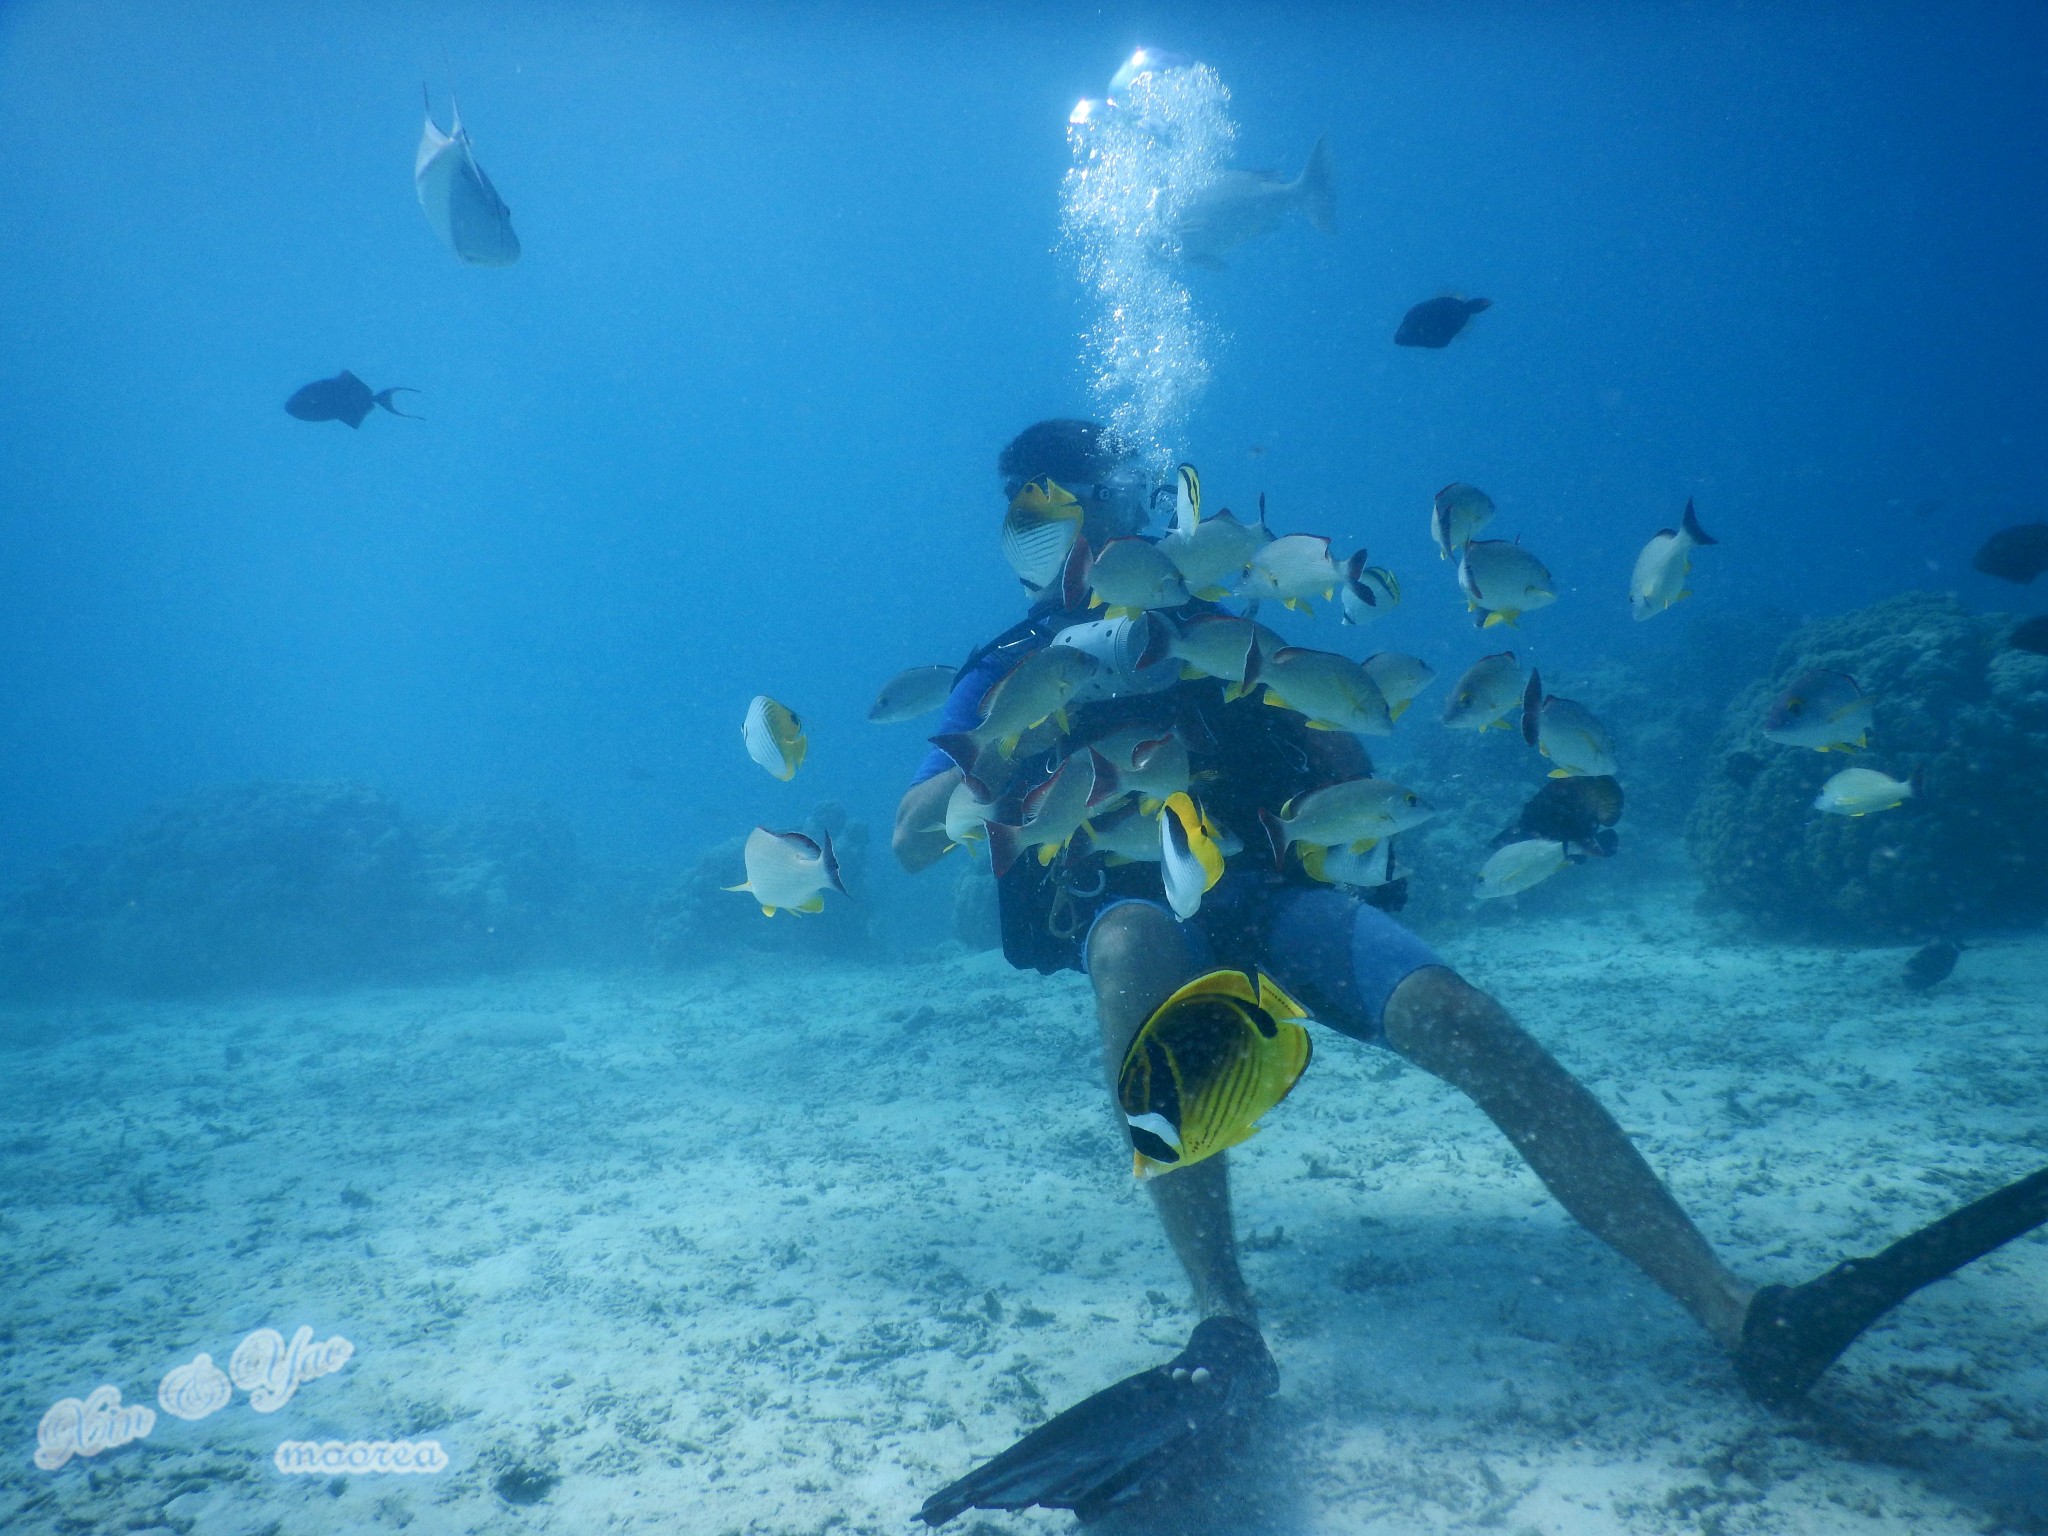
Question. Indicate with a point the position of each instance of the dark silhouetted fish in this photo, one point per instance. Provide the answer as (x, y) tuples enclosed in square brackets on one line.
[(2031, 636), (2015, 554), (1436, 322), (1931, 964), (1579, 812), (344, 398), (458, 198)]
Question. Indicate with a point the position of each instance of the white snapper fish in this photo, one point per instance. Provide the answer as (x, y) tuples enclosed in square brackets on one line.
[(1457, 513), (1294, 569), (1860, 791), (1333, 692), (458, 199), (1519, 866), (1054, 811), (1354, 814), (1502, 581), (1030, 693), (1213, 557), (1661, 569), (1219, 645), (1565, 731), (775, 737), (1234, 206), (789, 872), (917, 691), (1149, 764), (1820, 709), (1131, 575), (1483, 697), (1400, 678)]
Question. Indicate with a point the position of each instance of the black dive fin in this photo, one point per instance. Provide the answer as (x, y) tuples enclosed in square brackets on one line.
[(1793, 1333), (1108, 1448)]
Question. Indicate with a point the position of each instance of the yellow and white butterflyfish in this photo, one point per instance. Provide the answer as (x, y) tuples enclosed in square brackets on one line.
[(789, 871), (1190, 861), (1369, 592), (1210, 1061), (775, 737), (1039, 530), (1187, 500), (1661, 569), (1503, 581)]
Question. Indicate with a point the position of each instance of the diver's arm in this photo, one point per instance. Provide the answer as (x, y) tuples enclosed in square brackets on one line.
[(920, 837)]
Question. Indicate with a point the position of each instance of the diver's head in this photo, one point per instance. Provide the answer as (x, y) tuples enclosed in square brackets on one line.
[(1082, 458)]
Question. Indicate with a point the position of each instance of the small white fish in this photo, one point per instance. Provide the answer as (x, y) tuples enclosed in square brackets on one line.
[(789, 872), (918, 691), (1483, 697), (1661, 569), (1565, 731), (1294, 570), (1502, 581), (1369, 591), (458, 199), (1334, 692), (1400, 678), (965, 813), (1458, 512), (775, 737), (1860, 791), (1519, 866), (1822, 710), (1235, 206), (1132, 575), (1190, 862)]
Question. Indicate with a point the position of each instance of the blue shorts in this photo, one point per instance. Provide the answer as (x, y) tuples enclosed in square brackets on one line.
[(1335, 954)]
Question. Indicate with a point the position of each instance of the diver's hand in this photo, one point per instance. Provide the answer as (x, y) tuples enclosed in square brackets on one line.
[(920, 840)]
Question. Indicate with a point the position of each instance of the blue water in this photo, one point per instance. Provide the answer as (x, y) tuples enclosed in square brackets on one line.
[(793, 275)]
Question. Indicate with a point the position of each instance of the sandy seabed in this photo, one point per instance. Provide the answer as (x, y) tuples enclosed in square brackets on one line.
[(781, 1247)]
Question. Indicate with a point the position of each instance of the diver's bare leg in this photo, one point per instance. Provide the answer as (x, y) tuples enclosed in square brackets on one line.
[(1582, 1156), (1136, 959)]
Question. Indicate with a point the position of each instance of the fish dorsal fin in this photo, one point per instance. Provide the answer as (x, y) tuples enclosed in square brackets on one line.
[(1216, 984), (1277, 1002)]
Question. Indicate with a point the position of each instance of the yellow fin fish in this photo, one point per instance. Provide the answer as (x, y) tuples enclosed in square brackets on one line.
[(775, 737), (1190, 861), (790, 871), (1210, 1061), (1039, 530)]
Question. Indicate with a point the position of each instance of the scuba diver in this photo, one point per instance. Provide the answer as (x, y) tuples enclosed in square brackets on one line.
[(1182, 986)]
